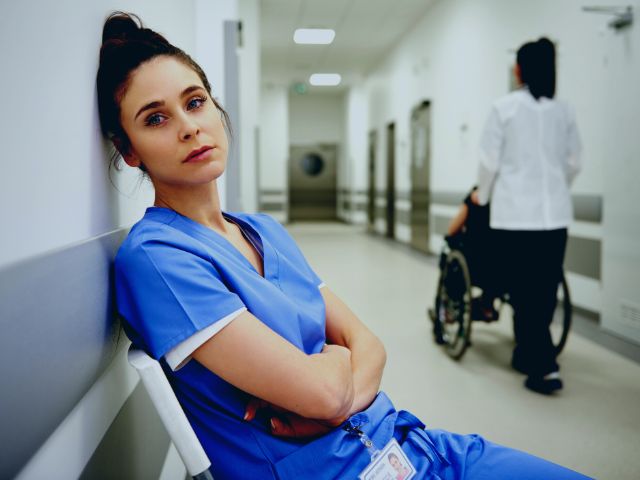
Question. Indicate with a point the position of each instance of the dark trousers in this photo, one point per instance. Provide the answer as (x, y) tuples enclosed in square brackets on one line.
[(531, 267)]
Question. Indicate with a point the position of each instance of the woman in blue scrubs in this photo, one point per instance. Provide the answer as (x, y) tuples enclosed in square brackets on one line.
[(277, 376)]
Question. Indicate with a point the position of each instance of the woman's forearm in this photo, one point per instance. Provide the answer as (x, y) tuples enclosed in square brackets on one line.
[(368, 358), (368, 355)]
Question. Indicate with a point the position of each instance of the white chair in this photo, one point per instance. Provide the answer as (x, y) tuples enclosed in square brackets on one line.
[(172, 415)]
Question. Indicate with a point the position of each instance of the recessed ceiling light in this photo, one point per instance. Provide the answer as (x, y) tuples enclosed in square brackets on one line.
[(325, 79), (314, 36)]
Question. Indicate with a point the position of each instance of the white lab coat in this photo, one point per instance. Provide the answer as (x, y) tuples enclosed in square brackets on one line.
[(529, 155)]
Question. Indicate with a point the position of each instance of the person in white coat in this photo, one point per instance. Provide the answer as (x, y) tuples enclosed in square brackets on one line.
[(529, 155)]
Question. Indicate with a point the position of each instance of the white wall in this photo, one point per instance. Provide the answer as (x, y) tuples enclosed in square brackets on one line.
[(249, 66), (356, 112), (458, 57), (620, 55), (274, 146), (54, 189), (316, 118)]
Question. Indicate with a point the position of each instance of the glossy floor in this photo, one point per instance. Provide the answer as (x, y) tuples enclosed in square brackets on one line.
[(592, 426)]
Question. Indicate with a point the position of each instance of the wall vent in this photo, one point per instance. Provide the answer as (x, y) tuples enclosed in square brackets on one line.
[(630, 313)]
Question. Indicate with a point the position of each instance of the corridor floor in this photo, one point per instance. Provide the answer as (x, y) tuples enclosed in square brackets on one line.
[(592, 426)]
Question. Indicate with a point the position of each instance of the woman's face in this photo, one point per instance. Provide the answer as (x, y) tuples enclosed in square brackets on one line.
[(395, 463), (174, 128)]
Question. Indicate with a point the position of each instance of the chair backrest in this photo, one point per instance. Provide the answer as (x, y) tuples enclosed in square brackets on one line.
[(171, 413)]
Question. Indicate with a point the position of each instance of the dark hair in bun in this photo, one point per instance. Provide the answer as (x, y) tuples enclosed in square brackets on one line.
[(537, 61), (126, 45)]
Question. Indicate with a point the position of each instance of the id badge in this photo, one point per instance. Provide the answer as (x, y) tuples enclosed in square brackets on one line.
[(391, 463)]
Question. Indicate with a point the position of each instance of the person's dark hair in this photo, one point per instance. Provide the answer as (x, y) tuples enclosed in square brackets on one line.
[(537, 61), (126, 45)]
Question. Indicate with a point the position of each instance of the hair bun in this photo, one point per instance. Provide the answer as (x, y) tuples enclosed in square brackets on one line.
[(121, 25)]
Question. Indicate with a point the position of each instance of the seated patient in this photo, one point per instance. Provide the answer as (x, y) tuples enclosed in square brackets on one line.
[(469, 230), (278, 378)]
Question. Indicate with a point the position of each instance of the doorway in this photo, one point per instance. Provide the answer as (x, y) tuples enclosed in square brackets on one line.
[(371, 204), (391, 181), (420, 175), (313, 182)]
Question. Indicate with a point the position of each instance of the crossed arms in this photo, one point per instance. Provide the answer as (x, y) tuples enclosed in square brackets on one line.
[(309, 394)]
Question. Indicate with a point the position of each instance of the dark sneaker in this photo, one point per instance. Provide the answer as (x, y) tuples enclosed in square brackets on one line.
[(544, 385)]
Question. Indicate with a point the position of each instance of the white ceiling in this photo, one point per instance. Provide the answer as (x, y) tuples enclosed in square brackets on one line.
[(365, 31)]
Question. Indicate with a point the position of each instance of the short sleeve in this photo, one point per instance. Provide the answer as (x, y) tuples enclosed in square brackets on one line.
[(166, 294)]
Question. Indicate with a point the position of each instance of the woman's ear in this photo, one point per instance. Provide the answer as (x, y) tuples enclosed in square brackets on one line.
[(127, 153), (517, 73)]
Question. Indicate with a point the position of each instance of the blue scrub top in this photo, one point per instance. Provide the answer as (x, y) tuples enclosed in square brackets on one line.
[(175, 277)]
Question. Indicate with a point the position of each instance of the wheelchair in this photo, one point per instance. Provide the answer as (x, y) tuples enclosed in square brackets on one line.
[(453, 312)]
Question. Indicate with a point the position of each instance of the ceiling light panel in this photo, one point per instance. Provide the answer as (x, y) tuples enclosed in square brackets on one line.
[(314, 36), (325, 79)]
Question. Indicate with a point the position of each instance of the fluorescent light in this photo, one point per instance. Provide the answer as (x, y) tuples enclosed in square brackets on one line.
[(325, 79), (314, 36)]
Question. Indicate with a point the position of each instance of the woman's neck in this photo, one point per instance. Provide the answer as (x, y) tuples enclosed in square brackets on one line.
[(201, 205)]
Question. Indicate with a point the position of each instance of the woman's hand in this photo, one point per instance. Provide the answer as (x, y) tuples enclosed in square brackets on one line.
[(285, 423), (288, 424)]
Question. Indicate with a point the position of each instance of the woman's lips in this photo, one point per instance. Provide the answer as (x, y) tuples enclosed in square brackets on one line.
[(199, 155)]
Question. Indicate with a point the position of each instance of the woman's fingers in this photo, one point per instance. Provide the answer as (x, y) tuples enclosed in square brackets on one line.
[(297, 427), (253, 406)]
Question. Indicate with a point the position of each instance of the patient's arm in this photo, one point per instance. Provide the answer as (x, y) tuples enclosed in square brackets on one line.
[(255, 359), (457, 222)]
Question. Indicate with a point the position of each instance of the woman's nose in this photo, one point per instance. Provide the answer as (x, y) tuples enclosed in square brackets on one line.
[(188, 128)]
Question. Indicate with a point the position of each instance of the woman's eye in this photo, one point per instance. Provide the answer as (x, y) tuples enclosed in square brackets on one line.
[(196, 102), (153, 120)]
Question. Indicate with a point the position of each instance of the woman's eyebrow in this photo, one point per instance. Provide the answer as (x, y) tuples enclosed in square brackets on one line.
[(149, 106), (190, 89), (160, 103)]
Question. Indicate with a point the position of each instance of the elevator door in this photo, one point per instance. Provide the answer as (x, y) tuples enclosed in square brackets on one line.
[(313, 182), (420, 172)]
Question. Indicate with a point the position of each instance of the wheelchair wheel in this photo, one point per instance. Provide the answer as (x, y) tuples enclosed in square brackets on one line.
[(453, 305), (561, 323)]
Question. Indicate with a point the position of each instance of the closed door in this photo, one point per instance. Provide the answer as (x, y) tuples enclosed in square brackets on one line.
[(391, 180), (420, 172), (371, 204), (313, 182)]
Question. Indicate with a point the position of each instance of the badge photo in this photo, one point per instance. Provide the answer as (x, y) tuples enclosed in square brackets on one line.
[(390, 464)]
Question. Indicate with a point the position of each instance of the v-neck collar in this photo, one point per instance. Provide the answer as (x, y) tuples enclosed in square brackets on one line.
[(269, 255)]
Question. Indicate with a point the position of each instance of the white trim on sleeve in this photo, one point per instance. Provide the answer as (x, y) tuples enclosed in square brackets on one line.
[(179, 355), (322, 285)]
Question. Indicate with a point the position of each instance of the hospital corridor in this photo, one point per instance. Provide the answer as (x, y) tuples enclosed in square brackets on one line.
[(320, 240), (480, 393)]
